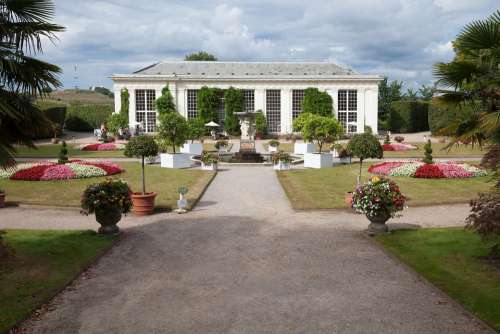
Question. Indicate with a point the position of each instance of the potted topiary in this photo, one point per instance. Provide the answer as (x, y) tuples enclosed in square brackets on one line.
[(428, 153), (2, 198), (142, 147), (221, 145), (365, 146), (196, 130), (108, 200), (208, 161), (182, 202), (281, 161), (63, 154), (273, 145), (322, 129), (379, 199), (173, 130)]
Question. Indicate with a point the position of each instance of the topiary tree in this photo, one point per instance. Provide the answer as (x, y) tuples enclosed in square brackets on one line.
[(260, 123), (165, 103), (207, 102), (117, 121), (317, 102), (234, 101), (141, 147), (125, 102), (428, 153), (63, 154), (173, 129), (365, 146), (322, 129), (196, 129)]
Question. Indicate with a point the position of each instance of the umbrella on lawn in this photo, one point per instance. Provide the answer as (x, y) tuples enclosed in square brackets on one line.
[(212, 124)]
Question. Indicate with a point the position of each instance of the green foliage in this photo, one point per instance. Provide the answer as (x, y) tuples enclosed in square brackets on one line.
[(443, 119), (165, 103), (260, 123), (428, 152), (409, 116), (387, 94), (182, 190), (87, 117), (200, 56), (234, 102), (426, 93), (274, 143), (104, 91), (317, 102), (207, 102), (63, 154), (24, 78), (220, 144), (208, 159), (365, 146), (108, 194), (368, 129), (55, 114), (322, 129), (117, 121), (196, 128), (173, 129), (125, 103), (141, 147), (281, 157)]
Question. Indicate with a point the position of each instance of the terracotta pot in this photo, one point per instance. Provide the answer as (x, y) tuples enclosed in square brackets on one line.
[(143, 204), (348, 199), (108, 218), (2, 200)]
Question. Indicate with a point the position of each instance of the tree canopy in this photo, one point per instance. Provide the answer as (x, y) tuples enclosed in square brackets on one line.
[(173, 129), (322, 129), (317, 102), (200, 56), (365, 146)]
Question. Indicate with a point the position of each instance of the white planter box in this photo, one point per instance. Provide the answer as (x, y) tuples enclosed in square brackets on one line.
[(273, 149), (178, 160), (208, 167), (192, 148), (303, 148), (282, 166), (345, 160), (316, 160)]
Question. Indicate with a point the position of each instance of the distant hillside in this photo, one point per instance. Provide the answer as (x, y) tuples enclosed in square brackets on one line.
[(68, 96)]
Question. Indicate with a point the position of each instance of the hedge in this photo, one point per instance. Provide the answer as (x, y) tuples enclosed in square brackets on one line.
[(409, 116), (55, 114), (441, 117), (86, 117)]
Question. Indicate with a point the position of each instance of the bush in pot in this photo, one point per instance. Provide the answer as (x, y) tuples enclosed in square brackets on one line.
[(379, 199), (208, 161), (195, 131), (173, 132), (108, 199), (365, 146), (281, 160), (220, 144), (142, 147), (273, 145)]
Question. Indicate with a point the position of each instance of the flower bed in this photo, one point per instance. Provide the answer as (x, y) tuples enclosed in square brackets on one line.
[(47, 171), (103, 147), (398, 147), (441, 170)]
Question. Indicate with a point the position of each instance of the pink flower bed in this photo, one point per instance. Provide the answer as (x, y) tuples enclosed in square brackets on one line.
[(448, 170), (102, 147), (398, 147), (47, 171)]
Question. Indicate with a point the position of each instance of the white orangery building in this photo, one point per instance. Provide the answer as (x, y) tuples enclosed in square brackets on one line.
[(276, 88)]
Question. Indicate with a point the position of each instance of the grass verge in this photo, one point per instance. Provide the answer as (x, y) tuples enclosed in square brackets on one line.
[(326, 188), (163, 181), (450, 258), (44, 263)]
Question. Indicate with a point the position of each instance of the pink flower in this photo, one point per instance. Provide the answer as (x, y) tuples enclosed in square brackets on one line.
[(58, 172), (106, 147)]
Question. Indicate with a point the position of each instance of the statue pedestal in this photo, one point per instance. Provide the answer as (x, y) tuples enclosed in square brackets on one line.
[(247, 145)]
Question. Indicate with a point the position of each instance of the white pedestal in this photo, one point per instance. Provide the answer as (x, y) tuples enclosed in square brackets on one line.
[(317, 160), (178, 160), (192, 148), (303, 148)]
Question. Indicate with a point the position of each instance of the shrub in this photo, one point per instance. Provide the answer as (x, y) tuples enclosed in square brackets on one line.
[(173, 129), (281, 156), (207, 103), (274, 143), (260, 123), (196, 128), (441, 117), (321, 129), (365, 146), (208, 158), (55, 114), (165, 103), (234, 101), (63, 154), (220, 144), (117, 121), (409, 116), (368, 129), (317, 102), (87, 117), (141, 146), (428, 152), (109, 194)]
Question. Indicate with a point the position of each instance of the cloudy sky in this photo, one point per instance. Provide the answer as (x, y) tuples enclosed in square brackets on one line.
[(397, 38)]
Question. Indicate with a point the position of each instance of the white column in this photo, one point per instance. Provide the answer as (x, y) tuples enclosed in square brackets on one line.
[(371, 108), (118, 101), (286, 111), (181, 102), (361, 110), (260, 99)]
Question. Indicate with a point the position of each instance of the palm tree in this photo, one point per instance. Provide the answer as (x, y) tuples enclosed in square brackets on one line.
[(23, 25), (473, 78)]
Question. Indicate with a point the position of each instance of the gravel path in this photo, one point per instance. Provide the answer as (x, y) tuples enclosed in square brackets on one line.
[(244, 262)]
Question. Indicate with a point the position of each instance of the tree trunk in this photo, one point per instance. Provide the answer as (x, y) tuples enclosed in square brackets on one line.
[(143, 177), (360, 169), (320, 146)]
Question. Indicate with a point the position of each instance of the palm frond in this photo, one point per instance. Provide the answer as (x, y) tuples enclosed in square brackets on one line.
[(456, 73)]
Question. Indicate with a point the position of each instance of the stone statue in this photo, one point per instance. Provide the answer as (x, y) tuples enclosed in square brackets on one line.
[(247, 128)]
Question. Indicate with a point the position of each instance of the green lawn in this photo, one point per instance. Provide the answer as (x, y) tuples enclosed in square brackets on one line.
[(438, 151), (44, 262), (326, 188), (450, 259), (164, 181)]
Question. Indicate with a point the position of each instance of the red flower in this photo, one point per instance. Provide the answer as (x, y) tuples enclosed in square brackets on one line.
[(388, 147), (429, 171), (31, 174), (91, 147)]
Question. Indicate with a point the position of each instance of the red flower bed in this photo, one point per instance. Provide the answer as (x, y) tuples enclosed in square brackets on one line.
[(91, 147), (429, 171), (31, 174), (388, 147)]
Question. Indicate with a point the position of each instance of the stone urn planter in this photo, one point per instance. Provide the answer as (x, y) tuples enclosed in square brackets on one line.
[(378, 224), (108, 218), (318, 160), (2, 199), (192, 148), (143, 204)]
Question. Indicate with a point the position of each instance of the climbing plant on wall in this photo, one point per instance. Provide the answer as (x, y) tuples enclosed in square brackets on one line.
[(165, 103), (234, 101), (125, 98), (317, 102), (207, 103)]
